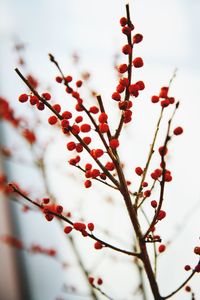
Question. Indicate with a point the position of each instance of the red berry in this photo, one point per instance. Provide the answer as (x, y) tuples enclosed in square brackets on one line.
[(103, 117), (96, 153), (23, 98), (85, 128), (147, 193), (133, 89), (79, 83), (137, 38), (124, 81), (67, 115), (79, 148), (188, 288), (87, 184), (71, 146), (163, 92), (90, 226), (52, 120), (127, 49), (91, 280), (145, 184), (123, 105), (98, 245), (171, 100), (45, 200), (99, 152), (126, 30), (178, 130), (123, 21), (141, 85), (161, 248), (128, 113), (156, 174), (154, 99), (99, 281), (40, 106), (94, 109), (79, 226), (59, 209), (79, 119), (67, 229), (88, 167), (69, 90), (46, 96), (138, 171), (123, 68), (75, 95), (168, 177), (120, 88), (110, 166), (103, 176), (68, 78), (49, 217), (75, 129), (59, 79), (103, 127), (197, 268), (165, 103), (33, 100), (87, 140), (79, 107), (114, 143), (65, 123), (197, 250), (161, 215), (88, 174), (187, 268), (138, 62), (116, 96), (84, 233), (163, 150), (154, 203), (95, 173), (57, 107)]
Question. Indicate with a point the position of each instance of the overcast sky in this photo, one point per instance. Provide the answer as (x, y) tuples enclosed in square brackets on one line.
[(91, 28)]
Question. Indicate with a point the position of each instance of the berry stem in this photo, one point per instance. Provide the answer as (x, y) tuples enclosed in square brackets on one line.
[(41, 165), (52, 59), (130, 56), (134, 220), (102, 109), (87, 111), (162, 182), (151, 151), (61, 118), (104, 182), (60, 216), (37, 95), (144, 198)]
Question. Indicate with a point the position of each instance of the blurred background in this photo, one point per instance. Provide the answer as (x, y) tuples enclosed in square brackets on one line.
[(85, 37)]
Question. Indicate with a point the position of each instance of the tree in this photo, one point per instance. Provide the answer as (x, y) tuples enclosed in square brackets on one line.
[(97, 142)]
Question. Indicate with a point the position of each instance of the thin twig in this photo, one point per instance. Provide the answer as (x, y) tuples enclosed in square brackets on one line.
[(87, 112), (162, 182), (181, 286), (100, 180), (130, 56), (151, 151), (60, 216), (70, 129)]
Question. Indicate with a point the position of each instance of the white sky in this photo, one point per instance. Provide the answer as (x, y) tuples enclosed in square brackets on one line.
[(171, 32)]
